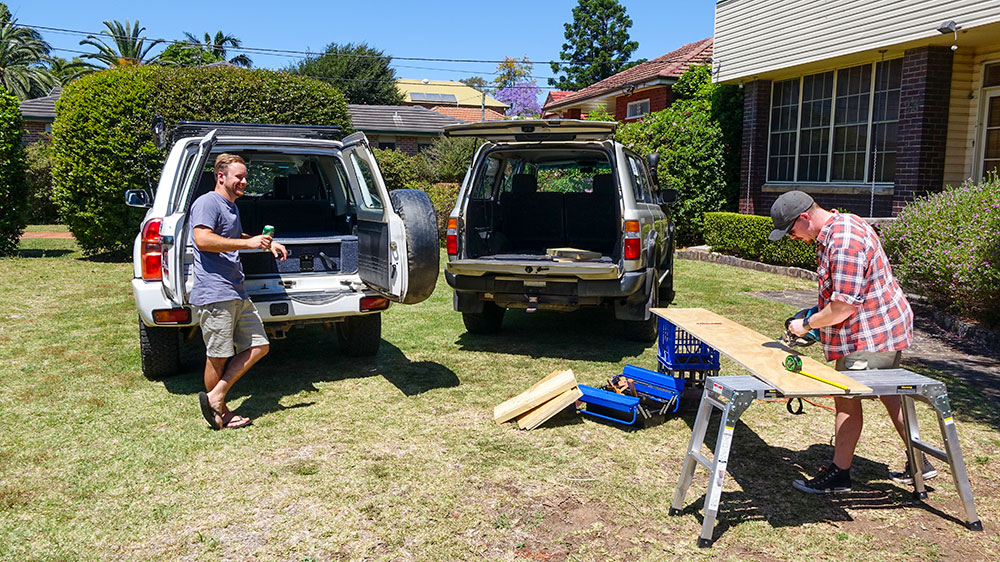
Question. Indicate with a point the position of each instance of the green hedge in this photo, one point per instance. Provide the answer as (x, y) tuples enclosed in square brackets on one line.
[(102, 145), (41, 208), (745, 236), (398, 169), (443, 197), (13, 187), (946, 247)]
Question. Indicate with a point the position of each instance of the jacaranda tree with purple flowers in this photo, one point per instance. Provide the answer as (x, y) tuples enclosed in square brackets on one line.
[(522, 98)]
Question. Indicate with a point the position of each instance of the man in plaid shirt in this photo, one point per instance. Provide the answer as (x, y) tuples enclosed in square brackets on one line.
[(864, 319)]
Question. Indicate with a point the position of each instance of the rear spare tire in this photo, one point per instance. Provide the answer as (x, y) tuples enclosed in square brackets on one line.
[(486, 322), (360, 336), (160, 351), (423, 251)]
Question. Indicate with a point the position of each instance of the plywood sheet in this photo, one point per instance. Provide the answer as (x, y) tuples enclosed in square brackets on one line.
[(556, 383), (763, 356), (540, 414)]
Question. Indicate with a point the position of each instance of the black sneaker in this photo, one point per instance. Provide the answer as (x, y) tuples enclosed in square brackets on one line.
[(906, 477), (830, 480)]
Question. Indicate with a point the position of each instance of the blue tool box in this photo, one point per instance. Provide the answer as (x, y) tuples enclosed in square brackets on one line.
[(648, 395), (684, 356)]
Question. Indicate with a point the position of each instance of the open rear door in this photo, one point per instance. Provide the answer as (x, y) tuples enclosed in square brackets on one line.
[(535, 130), (174, 232), (381, 233)]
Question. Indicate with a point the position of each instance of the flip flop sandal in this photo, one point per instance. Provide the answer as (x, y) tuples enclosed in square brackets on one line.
[(208, 411)]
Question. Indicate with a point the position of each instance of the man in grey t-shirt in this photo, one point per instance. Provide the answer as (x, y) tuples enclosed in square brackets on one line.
[(229, 321)]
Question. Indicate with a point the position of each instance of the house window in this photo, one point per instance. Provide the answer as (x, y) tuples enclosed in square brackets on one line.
[(387, 145), (637, 109), (836, 126), (48, 128), (423, 147)]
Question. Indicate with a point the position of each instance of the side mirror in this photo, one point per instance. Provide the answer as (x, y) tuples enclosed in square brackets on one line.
[(668, 196), (653, 160), (138, 198)]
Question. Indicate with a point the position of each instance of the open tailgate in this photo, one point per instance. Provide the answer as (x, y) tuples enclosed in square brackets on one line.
[(535, 130)]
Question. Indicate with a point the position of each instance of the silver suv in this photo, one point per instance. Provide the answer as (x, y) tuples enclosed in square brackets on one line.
[(555, 214), (353, 246)]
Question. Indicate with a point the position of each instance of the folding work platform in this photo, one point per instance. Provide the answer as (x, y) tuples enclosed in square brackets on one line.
[(734, 394)]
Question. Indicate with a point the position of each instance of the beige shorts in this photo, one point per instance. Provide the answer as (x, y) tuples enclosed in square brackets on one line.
[(865, 360), (230, 327)]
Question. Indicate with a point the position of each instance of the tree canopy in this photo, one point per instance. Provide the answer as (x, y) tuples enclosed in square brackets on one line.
[(361, 72), (128, 47), (597, 45), (512, 71), (218, 47), (22, 55)]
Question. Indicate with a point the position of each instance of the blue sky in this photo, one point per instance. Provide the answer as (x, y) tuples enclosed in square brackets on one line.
[(428, 29)]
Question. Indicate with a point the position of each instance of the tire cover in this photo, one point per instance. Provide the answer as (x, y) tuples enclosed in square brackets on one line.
[(423, 251)]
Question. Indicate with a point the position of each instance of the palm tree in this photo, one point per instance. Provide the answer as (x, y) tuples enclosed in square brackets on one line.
[(22, 53), (218, 46), (129, 46), (66, 70)]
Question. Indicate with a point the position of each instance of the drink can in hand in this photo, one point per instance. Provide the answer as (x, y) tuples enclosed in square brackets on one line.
[(268, 230)]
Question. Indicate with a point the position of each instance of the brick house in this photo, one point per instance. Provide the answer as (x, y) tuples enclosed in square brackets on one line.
[(38, 115), (632, 93), (865, 105), (406, 128), (447, 94), (470, 114)]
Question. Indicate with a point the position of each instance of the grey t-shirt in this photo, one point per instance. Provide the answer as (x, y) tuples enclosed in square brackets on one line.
[(218, 276)]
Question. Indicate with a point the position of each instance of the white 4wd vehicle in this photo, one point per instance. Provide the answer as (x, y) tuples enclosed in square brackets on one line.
[(353, 246), (536, 192)]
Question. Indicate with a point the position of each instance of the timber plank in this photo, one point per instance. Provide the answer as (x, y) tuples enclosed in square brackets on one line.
[(540, 414), (763, 356), (556, 383)]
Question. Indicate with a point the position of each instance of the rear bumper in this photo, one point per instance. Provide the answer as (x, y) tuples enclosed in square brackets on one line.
[(314, 307), (628, 284)]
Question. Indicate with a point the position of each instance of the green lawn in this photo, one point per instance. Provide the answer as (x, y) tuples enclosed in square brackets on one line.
[(397, 457)]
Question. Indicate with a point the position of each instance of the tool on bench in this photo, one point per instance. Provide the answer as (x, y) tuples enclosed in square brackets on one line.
[(810, 337), (793, 363)]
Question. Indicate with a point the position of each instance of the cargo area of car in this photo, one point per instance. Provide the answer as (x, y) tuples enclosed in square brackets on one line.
[(535, 201)]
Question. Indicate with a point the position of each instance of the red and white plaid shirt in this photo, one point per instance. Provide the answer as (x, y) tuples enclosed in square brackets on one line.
[(854, 269)]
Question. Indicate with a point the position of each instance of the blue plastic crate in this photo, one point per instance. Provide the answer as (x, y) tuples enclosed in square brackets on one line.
[(681, 353)]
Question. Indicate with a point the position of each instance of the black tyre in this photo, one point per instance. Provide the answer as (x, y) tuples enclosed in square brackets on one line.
[(486, 322), (160, 351), (423, 250), (360, 336)]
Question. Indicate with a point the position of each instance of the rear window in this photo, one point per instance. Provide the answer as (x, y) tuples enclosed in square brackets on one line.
[(554, 170)]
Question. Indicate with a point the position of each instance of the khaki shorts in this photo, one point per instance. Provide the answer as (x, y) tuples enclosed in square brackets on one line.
[(865, 360), (230, 327)]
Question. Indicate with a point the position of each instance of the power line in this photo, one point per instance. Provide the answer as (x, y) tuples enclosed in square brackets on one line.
[(300, 54)]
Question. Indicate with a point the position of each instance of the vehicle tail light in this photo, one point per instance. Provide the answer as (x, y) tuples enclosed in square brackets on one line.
[(172, 316), (374, 303), (151, 251), (633, 244), (451, 238)]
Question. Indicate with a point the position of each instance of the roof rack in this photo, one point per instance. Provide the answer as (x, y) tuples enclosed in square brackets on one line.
[(186, 129)]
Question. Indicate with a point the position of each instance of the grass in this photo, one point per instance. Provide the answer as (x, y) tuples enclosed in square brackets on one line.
[(397, 457)]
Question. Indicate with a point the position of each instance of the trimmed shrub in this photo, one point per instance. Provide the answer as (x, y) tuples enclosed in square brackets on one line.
[(102, 144), (41, 208), (447, 159), (13, 187), (397, 168), (946, 246), (443, 197), (745, 236), (695, 142)]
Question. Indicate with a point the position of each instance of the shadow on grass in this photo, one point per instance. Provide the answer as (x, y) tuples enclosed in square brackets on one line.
[(42, 253), (765, 473), (308, 356), (587, 335)]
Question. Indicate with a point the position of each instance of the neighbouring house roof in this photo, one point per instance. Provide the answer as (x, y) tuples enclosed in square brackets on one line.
[(556, 95), (444, 92), (41, 109), (665, 69), (470, 114), (398, 119)]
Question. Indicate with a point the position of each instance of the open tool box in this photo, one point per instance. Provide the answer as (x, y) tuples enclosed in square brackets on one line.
[(635, 397)]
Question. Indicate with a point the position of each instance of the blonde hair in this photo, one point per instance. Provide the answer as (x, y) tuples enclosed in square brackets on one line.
[(223, 161)]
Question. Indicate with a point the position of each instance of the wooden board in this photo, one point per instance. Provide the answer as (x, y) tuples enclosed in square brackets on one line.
[(764, 357), (540, 414), (573, 254), (556, 383)]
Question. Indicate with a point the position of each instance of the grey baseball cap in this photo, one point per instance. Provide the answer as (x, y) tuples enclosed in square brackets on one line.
[(785, 210)]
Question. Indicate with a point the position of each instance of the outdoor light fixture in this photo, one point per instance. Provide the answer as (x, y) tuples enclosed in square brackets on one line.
[(948, 27), (629, 89)]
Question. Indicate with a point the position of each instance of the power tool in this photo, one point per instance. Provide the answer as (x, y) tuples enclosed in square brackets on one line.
[(810, 337)]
